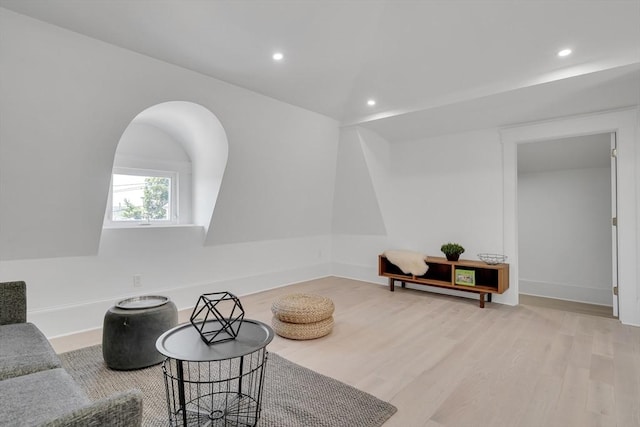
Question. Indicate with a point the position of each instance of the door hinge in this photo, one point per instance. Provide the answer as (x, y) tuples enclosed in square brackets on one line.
[(614, 153), (614, 221), (615, 290)]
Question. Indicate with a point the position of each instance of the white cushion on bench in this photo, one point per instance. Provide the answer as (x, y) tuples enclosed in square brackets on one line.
[(409, 262)]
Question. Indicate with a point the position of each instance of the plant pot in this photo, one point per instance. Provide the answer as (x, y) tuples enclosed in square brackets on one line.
[(452, 257)]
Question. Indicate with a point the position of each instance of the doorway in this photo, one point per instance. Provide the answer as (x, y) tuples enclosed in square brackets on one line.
[(566, 248), (624, 123)]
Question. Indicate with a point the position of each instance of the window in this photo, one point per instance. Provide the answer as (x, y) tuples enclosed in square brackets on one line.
[(159, 143), (143, 197)]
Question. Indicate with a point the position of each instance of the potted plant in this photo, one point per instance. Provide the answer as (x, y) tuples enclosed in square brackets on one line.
[(452, 251)]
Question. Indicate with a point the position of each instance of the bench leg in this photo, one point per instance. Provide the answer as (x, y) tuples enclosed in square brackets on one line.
[(482, 300), (391, 284)]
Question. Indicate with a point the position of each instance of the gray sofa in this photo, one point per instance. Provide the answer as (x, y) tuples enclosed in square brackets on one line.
[(34, 388)]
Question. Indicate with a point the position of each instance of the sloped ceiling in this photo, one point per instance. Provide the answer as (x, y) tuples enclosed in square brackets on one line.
[(432, 66)]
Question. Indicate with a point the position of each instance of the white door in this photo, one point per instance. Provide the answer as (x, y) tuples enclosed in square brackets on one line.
[(614, 228)]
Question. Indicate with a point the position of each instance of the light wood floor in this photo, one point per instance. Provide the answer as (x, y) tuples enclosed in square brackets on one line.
[(443, 361), (576, 307)]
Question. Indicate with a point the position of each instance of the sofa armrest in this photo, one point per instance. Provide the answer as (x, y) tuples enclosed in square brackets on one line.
[(120, 410), (13, 302)]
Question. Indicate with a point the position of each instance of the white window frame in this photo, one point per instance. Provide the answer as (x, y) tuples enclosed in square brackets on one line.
[(173, 198)]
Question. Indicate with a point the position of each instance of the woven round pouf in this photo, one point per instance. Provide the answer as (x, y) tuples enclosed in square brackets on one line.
[(302, 308), (302, 331), (302, 316)]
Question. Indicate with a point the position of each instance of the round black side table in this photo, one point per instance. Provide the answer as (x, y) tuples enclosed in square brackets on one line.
[(218, 384)]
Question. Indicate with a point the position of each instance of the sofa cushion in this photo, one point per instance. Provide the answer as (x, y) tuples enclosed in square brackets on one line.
[(36, 398), (24, 350), (123, 409), (13, 302)]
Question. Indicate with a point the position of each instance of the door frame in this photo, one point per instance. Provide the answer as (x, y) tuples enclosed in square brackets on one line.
[(622, 122), (613, 145)]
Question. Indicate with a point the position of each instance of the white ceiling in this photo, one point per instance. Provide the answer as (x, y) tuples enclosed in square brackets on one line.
[(433, 66)]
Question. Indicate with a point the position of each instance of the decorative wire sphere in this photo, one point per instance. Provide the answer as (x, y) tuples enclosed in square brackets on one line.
[(492, 259), (218, 317)]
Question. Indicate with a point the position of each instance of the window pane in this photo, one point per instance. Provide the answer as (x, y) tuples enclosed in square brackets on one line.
[(141, 198)]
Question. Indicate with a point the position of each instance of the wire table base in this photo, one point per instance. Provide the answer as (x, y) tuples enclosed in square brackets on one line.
[(214, 385)]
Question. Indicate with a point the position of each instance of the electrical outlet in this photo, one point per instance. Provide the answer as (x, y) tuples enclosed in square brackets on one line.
[(137, 280)]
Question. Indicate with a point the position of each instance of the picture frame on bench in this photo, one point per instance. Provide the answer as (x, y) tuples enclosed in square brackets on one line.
[(465, 277)]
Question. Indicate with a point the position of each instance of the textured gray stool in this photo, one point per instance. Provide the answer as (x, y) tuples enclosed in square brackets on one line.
[(131, 329)]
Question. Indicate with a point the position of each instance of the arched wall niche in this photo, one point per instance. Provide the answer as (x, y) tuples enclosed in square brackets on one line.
[(203, 138)]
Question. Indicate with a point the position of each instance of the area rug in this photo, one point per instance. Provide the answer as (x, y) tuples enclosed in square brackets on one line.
[(294, 396)]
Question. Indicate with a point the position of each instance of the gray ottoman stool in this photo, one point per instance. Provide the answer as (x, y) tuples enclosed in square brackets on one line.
[(131, 329)]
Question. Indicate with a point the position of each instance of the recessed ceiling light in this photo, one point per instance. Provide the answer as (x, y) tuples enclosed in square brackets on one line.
[(564, 52), (278, 56), (371, 102)]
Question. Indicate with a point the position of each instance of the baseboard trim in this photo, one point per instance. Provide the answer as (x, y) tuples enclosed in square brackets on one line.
[(567, 292), (84, 319)]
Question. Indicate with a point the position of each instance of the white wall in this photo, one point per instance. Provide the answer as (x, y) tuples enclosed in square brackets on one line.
[(65, 101), (143, 140), (447, 189), (71, 294), (430, 191), (355, 207), (564, 234)]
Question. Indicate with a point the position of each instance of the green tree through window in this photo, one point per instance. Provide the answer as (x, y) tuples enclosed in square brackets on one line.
[(156, 197), (155, 201)]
